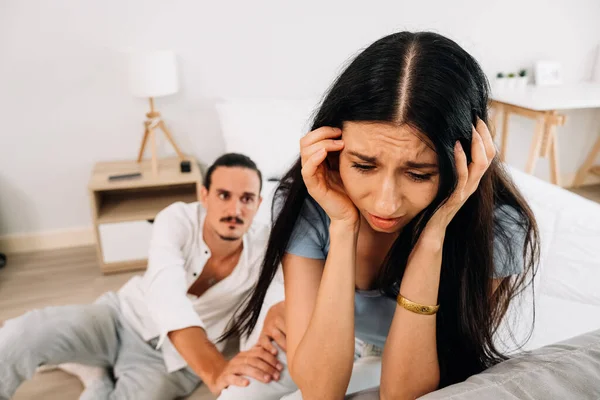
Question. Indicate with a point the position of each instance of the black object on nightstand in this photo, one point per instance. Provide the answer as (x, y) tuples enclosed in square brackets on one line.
[(2, 260), (185, 166)]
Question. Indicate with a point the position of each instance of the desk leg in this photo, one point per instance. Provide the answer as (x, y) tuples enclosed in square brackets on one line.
[(504, 142), (554, 169), (536, 144), (549, 129), (494, 117), (587, 165)]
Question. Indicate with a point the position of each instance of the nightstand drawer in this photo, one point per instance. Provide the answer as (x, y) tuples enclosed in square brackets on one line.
[(125, 241)]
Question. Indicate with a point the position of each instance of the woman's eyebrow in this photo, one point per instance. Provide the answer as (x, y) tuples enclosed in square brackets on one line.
[(418, 165), (408, 164), (368, 159)]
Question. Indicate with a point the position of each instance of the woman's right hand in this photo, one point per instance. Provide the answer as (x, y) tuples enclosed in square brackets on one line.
[(324, 184)]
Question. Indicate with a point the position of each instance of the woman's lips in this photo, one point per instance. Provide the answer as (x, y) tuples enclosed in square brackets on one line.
[(384, 223)]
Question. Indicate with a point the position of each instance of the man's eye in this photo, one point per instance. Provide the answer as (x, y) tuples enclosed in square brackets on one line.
[(247, 200), (223, 196)]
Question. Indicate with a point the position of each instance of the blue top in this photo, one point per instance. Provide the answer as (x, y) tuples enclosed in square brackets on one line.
[(373, 312)]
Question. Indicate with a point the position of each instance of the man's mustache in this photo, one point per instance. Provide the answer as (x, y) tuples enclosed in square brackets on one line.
[(237, 220)]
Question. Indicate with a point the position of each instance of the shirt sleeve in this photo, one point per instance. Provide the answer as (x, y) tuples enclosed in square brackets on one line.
[(509, 240), (310, 236), (165, 279)]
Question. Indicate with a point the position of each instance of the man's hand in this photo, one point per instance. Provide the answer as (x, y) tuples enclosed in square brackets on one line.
[(274, 329), (255, 363)]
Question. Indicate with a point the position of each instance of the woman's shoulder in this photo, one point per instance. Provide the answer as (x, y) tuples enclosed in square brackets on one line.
[(310, 237), (312, 211)]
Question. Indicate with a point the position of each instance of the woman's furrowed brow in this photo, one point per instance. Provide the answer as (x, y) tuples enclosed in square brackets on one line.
[(363, 157), (420, 165), (407, 164)]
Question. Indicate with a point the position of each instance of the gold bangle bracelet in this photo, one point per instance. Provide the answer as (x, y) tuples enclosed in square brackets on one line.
[(416, 307)]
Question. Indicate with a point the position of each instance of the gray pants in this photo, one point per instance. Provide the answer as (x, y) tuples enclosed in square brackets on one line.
[(93, 334)]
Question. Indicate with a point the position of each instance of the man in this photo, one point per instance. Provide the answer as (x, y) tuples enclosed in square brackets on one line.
[(159, 333)]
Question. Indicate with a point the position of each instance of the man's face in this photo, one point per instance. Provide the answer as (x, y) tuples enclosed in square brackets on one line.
[(231, 202)]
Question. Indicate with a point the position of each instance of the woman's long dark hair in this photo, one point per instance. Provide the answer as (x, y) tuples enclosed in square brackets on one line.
[(429, 82)]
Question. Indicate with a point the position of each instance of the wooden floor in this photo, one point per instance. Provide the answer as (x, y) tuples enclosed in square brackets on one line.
[(59, 277), (71, 276)]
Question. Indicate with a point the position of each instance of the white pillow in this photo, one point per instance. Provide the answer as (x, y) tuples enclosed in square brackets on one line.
[(266, 130), (264, 211), (572, 251), (569, 269)]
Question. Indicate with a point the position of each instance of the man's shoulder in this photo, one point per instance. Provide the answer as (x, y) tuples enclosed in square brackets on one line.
[(181, 210), (179, 215)]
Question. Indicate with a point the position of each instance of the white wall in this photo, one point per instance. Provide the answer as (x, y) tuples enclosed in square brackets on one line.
[(64, 102)]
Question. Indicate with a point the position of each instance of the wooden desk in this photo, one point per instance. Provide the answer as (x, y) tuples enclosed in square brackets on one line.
[(543, 104), (137, 199)]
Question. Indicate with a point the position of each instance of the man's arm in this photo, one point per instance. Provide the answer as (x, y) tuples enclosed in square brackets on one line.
[(174, 315), (202, 355)]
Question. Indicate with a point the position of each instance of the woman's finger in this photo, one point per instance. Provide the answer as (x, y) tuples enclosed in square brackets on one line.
[(324, 132), (462, 169), (265, 342), (488, 142), (329, 146), (280, 324), (480, 161), (279, 338), (309, 168), (478, 154)]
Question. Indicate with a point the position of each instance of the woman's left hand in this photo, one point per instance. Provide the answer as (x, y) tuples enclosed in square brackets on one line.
[(274, 329), (483, 152)]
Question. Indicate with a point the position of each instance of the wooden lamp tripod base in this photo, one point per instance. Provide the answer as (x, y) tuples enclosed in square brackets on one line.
[(153, 121)]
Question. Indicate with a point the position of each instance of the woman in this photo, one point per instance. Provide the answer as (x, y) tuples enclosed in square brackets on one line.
[(398, 226)]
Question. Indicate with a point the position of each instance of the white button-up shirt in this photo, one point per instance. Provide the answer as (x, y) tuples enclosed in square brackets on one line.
[(157, 302)]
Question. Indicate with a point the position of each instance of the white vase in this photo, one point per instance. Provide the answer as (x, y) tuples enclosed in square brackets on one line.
[(511, 83), (500, 84), (521, 82)]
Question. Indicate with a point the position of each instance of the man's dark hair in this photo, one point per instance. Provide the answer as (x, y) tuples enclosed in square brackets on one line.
[(232, 160)]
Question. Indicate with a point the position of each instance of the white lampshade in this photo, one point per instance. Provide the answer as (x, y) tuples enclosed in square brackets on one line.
[(153, 73)]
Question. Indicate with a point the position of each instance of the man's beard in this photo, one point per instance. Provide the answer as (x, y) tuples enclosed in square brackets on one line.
[(236, 220), (229, 238)]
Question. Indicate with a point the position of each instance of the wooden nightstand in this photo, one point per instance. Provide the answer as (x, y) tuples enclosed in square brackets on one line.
[(122, 208)]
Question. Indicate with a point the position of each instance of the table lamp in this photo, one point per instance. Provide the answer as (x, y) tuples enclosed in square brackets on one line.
[(154, 74)]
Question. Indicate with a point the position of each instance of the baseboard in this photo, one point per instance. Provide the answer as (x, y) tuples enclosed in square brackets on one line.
[(49, 240)]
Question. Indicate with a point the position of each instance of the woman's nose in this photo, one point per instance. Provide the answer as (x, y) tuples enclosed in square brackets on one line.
[(388, 200)]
